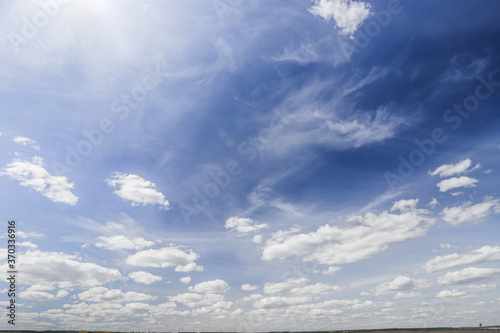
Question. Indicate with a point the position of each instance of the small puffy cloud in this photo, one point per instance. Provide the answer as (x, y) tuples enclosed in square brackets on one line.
[(185, 279), (401, 295), (28, 244), (137, 189), (172, 256), (35, 295), (455, 182), (26, 142), (102, 294), (468, 212), (33, 174), (468, 275), (210, 287), (448, 170), (369, 234), (194, 300), (404, 205), (243, 225), (451, 293), (248, 287), (315, 289), (123, 243), (348, 14), (433, 203), (332, 270), (479, 256), (63, 270), (273, 288), (144, 277), (399, 284), (257, 239), (279, 302)]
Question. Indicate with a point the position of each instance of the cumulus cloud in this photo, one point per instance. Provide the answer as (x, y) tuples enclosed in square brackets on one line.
[(63, 270), (166, 257), (144, 277), (332, 270), (248, 287), (315, 289), (455, 182), (194, 300), (185, 279), (468, 212), (33, 174), (278, 287), (433, 203), (479, 256), (243, 225), (448, 170), (137, 189), (210, 287), (102, 294), (279, 302), (36, 295), (399, 284), (371, 234), (468, 275), (401, 295), (348, 14), (123, 243)]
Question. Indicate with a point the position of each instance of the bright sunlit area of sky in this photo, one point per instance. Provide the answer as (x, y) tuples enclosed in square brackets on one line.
[(230, 165)]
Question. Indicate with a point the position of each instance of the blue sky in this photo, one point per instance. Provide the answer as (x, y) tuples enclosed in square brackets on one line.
[(238, 165)]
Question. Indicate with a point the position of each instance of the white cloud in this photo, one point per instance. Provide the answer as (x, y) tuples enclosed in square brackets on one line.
[(137, 189), (468, 275), (451, 293), (278, 302), (243, 225), (455, 182), (63, 270), (194, 300), (26, 142), (348, 14), (315, 289), (210, 287), (433, 203), (32, 174), (468, 212), (123, 243), (102, 294), (371, 234), (28, 244), (248, 287), (401, 295), (185, 279), (332, 270), (448, 170), (399, 284), (278, 287), (166, 257), (479, 256), (257, 239), (144, 277), (35, 295)]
